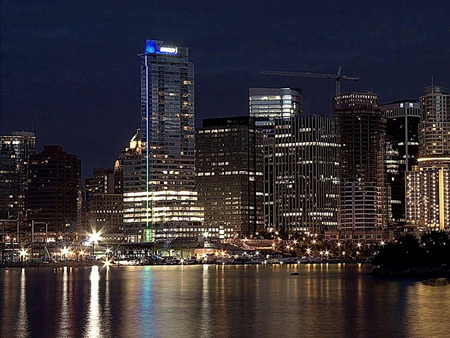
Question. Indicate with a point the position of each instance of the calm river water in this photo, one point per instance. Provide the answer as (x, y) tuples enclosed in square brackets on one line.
[(218, 301)]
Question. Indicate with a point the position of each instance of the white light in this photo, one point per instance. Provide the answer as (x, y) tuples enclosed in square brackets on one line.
[(172, 50)]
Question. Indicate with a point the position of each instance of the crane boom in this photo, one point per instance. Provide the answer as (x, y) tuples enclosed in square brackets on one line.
[(335, 77)]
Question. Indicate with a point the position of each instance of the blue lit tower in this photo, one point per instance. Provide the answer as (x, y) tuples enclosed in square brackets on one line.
[(167, 125)]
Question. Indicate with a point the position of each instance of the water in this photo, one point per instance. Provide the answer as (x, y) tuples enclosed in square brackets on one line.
[(218, 301)]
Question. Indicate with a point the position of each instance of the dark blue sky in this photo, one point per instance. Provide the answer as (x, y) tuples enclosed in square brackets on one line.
[(70, 70)]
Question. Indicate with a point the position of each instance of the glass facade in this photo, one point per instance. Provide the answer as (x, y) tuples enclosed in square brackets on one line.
[(230, 176), (402, 131), (167, 126), (274, 110), (15, 150), (363, 201)]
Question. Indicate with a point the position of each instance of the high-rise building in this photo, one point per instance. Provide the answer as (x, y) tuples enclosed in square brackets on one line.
[(129, 167), (362, 199), (428, 184), (274, 110), (402, 132), (315, 173), (15, 150), (167, 115), (101, 182), (54, 190), (230, 176)]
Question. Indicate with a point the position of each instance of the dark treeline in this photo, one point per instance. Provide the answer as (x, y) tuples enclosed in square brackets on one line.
[(432, 250)]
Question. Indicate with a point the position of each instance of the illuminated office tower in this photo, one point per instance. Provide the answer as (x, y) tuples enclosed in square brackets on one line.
[(167, 115), (362, 199), (315, 173), (230, 176), (402, 141), (15, 150), (428, 183), (274, 110)]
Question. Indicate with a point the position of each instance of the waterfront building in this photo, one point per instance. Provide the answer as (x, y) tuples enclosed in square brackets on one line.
[(167, 115), (104, 215), (363, 203), (129, 166), (315, 173), (274, 110), (229, 166), (402, 142), (54, 190), (103, 204), (101, 182), (428, 183), (15, 150)]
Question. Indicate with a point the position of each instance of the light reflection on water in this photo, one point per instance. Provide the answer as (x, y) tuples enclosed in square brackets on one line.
[(22, 316), (64, 327), (218, 301), (94, 321)]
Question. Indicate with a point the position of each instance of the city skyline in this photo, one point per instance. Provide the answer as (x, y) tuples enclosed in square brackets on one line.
[(72, 83)]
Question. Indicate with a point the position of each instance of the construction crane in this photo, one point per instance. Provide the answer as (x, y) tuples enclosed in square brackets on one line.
[(335, 77)]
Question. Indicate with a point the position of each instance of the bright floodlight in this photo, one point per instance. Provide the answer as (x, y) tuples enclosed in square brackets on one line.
[(94, 237), (23, 252)]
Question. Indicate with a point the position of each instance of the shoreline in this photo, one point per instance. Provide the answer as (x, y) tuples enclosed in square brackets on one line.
[(416, 272), (101, 263)]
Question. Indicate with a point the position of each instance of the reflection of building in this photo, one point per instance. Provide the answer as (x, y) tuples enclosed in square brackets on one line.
[(230, 176), (274, 110), (54, 190), (167, 115), (428, 184), (14, 155), (363, 199), (402, 131)]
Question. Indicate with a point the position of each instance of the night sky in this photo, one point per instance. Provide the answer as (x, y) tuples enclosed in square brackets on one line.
[(70, 70)]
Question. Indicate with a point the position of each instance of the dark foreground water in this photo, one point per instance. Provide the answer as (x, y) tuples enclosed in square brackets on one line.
[(218, 301)]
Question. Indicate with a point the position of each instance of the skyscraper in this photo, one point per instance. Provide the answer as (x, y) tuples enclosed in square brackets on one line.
[(54, 191), (362, 200), (402, 131), (15, 150), (428, 184), (315, 173), (167, 115), (230, 176), (129, 168), (274, 110)]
